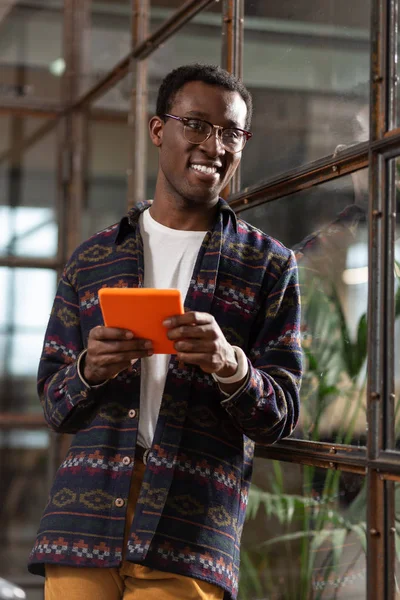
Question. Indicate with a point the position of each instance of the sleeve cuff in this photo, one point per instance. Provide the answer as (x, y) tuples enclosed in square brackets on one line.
[(78, 368), (239, 391), (242, 370)]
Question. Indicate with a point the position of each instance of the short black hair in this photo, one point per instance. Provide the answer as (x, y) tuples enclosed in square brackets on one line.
[(211, 74)]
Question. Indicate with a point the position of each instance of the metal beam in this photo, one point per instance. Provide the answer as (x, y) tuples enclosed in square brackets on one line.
[(14, 421), (32, 109), (73, 146), (5, 8), (377, 368), (95, 115), (302, 178), (28, 262), (232, 36), (326, 456), (30, 140), (232, 57), (393, 77), (389, 191), (138, 108), (332, 456)]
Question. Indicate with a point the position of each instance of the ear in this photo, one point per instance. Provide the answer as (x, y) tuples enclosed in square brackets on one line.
[(156, 129)]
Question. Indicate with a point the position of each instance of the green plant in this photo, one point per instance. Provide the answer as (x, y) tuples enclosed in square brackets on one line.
[(335, 368)]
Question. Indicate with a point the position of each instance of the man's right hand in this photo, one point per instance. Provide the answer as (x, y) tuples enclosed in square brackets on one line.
[(110, 351)]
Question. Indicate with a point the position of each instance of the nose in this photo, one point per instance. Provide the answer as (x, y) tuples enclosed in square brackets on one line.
[(213, 145)]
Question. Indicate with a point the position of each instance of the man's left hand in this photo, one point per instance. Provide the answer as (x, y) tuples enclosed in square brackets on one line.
[(200, 341)]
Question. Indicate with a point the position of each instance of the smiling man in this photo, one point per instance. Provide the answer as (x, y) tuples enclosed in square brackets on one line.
[(150, 501)]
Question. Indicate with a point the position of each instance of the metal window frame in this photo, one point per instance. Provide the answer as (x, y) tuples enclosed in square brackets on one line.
[(377, 461)]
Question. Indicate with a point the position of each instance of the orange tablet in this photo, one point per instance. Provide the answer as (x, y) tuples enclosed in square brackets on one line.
[(142, 310)]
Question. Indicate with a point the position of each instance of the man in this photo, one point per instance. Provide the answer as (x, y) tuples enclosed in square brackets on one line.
[(169, 528)]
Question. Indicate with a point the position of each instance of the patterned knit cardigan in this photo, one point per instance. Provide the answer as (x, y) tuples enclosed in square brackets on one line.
[(191, 509)]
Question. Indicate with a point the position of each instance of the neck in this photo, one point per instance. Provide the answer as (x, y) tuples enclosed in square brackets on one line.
[(181, 214), (175, 218)]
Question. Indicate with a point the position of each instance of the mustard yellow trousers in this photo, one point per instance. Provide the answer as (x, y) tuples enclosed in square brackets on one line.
[(128, 582)]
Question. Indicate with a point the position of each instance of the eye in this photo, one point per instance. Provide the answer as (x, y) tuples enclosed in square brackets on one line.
[(232, 135), (196, 125)]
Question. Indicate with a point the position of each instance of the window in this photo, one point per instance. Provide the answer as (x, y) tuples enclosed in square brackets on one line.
[(321, 174)]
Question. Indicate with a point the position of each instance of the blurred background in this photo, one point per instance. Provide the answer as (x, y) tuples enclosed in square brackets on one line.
[(78, 83)]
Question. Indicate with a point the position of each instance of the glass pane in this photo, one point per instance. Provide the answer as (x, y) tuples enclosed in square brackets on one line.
[(327, 228), (396, 573), (110, 38), (395, 67), (23, 493), (305, 534), (173, 5), (28, 188), (198, 41), (118, 98), (394, 411), (31, 50), (161, 10), (107, 189), (110, 42), (25, 305), (307, 65)]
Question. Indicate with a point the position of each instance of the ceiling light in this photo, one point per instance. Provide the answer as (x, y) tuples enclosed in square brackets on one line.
[(57, 67)]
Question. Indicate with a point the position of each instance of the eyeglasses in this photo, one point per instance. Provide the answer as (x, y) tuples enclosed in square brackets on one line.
[(197, 131)]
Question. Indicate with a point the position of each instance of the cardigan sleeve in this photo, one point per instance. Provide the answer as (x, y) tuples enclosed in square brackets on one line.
[(267, 407), (67, 402)]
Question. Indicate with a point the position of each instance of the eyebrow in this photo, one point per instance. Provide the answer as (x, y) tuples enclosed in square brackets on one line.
[(202, 115)]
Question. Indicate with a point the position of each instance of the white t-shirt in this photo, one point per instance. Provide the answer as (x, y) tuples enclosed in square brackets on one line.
[(169, 259)]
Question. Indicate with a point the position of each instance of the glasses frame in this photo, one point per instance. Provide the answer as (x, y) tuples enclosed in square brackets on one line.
[(219, 131)]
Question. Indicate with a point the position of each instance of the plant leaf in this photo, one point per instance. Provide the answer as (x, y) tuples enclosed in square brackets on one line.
[(360, 530), (252, 575), (361, 346), (287, 537), (319, 538), (338, 539)]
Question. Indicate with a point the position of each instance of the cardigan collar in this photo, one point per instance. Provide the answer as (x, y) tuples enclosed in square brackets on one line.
[(129, 221)]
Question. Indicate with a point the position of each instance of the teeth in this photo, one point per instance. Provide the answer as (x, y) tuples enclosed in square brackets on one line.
[(204, 169)]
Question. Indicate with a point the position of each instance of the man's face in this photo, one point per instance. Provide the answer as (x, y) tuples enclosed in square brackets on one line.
[(178, 157)]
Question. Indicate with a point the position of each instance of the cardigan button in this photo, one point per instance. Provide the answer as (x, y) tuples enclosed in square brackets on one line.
[(119, 502), (126, 461), (132, 413)]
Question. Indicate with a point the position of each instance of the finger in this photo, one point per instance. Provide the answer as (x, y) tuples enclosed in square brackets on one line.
[(193, 332), (106, 360), (110, 333), (113, 346), (113, 370), (200, 359), (98, 376), (198, 346), (189, 318)]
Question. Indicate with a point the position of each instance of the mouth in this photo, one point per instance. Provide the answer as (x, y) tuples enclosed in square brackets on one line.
[(207, 173)]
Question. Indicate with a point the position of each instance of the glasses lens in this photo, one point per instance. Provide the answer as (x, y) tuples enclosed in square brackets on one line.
[(233, 140), (197, 131)]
